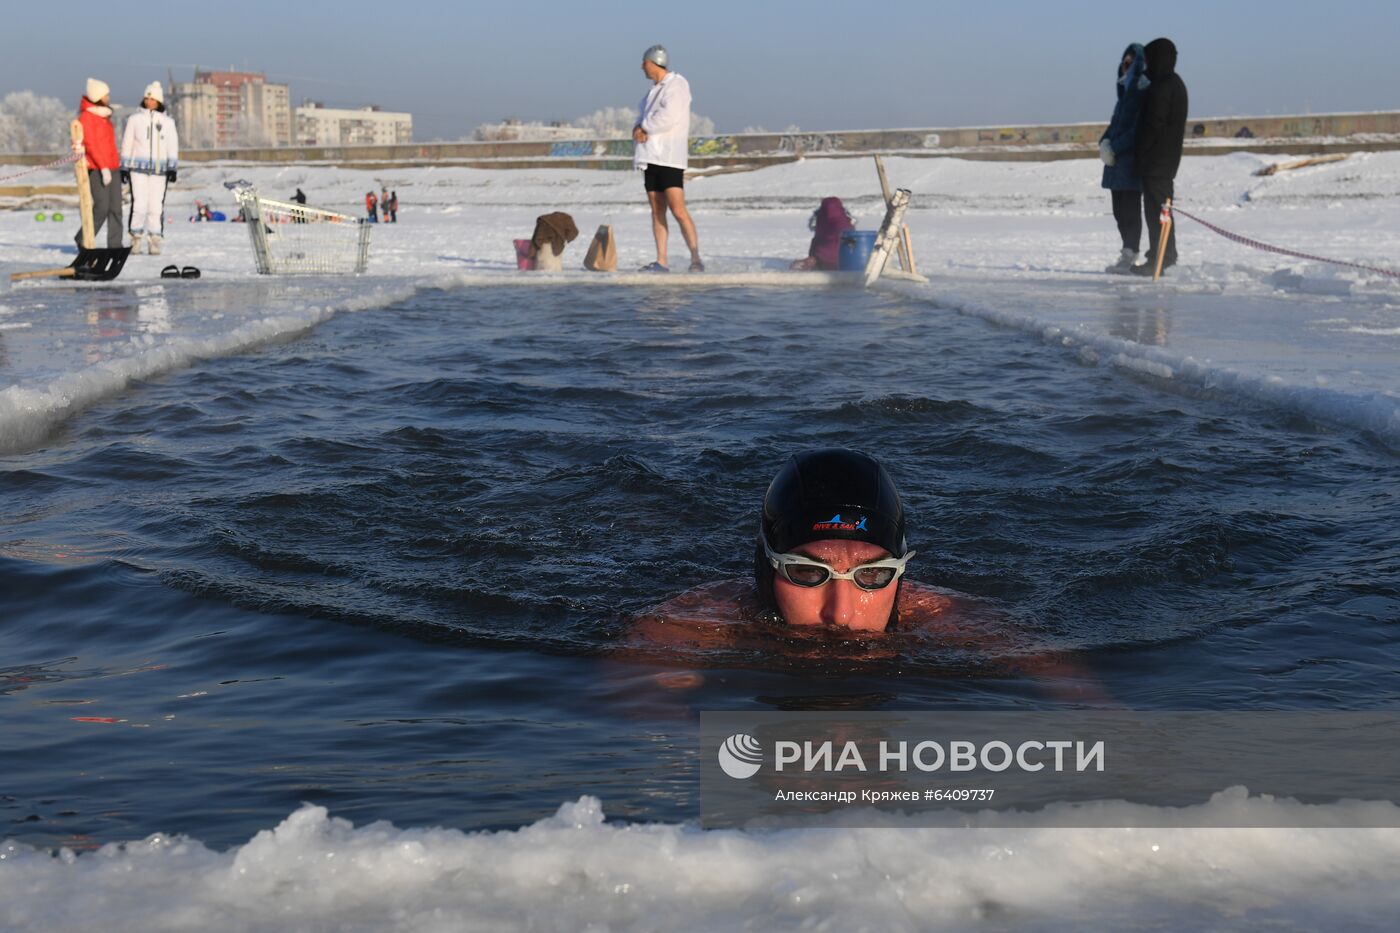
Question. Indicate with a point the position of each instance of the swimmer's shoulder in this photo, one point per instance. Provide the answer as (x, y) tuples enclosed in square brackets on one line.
[(703, 616), (922, 606)]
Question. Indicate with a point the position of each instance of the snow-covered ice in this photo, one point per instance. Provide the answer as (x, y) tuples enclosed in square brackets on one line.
[(1022, 244)]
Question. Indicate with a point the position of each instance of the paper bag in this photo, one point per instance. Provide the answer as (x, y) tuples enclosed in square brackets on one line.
[(602, 252)]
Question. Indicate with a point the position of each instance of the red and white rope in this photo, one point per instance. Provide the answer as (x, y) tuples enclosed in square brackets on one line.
[(1268, 248), (64, 160)]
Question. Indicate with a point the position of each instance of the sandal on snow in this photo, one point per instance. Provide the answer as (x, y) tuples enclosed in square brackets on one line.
[(189, 272), (170, 272), (654, 267), (697, 266)]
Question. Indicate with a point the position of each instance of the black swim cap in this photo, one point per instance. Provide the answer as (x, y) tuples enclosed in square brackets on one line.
[(830, 493), (833, 493)]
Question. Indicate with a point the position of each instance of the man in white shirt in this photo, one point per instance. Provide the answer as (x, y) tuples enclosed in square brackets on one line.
[(662, 135)]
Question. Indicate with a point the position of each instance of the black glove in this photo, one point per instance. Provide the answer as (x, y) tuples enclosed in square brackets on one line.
[(126, 177), (170, 176)]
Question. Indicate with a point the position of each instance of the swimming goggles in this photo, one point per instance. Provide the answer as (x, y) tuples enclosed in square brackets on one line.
[(804, 571)]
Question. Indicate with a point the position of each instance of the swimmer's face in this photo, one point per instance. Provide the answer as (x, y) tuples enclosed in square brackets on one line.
[(837, 602)]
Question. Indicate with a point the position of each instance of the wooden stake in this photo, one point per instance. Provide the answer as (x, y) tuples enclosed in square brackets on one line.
[(885, 239), (1162, 236), (908, 245), (80, 169), (884, 182), (904, 250)]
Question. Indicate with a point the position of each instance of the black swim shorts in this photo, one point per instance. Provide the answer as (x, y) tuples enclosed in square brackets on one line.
[(661, 177)]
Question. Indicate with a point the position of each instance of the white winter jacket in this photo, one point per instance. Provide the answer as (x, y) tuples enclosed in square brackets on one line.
[(665, 116), (150, 143)]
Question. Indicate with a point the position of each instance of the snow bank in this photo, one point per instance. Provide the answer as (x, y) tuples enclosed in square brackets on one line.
[(573, 871)]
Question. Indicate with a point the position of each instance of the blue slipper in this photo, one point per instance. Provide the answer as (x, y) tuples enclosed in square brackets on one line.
[(654, 267)]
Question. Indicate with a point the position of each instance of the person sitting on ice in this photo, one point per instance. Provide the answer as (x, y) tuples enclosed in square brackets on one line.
[(827, 223), (552, 232), (150, 155)]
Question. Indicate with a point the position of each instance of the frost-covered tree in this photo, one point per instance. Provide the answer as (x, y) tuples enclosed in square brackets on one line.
[(30, 123), (609, 122), (617, 122)]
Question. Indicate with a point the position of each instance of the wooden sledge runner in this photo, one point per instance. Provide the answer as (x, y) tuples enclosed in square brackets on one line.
[(92, 264)]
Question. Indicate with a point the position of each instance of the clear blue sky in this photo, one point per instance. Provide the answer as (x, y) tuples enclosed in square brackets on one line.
[(818, 65)]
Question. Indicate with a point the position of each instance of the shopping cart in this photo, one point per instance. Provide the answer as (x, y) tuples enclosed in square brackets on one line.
[(293, 239)]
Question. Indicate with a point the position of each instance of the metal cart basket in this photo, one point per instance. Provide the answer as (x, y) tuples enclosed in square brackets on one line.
[(293, 239)]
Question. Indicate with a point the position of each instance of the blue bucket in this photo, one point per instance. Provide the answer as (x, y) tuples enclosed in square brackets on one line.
[(856, 247)]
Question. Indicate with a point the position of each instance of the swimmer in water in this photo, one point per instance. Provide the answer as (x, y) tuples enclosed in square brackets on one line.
[(830, 555), (829, 573), (831, 546)]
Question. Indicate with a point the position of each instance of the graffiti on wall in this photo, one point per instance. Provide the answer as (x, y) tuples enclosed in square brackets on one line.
[(809, 142), (573, 148), (714, 146), (1305, 127), (619, 147)]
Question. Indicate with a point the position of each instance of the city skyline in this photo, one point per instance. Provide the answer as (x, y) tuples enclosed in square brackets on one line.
[(817, 67)]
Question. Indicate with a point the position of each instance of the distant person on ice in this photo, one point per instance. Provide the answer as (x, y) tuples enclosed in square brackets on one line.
[(99, 148), (1160, 137), (662, 135), (1117, 148), (150, 154), (372, 207)]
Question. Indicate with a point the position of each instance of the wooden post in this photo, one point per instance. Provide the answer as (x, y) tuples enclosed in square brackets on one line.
[(908, 247), (889, 233), (1162, 236), (884, 182), (904, 250), (80, 169)]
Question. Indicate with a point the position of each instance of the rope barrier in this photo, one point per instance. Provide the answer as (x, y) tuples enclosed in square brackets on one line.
[(64, 160), (1268, 248)]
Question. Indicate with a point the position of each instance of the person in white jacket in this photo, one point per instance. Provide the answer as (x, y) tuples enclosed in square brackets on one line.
[(150, 155), (662, 137)]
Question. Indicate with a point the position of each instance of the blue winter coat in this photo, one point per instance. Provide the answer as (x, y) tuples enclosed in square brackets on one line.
[(1122, 130)]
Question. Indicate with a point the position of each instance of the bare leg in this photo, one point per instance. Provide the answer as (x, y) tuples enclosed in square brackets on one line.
[(658, 224), (675, 200)]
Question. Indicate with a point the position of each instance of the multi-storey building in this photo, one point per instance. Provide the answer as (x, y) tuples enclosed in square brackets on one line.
[(319, 125), (232, 108)]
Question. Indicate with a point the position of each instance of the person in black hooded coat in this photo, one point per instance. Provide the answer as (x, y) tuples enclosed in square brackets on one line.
[(1118, 149), (1161, 131)]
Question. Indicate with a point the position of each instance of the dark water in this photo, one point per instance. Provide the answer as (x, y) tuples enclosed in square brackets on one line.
[(387, 566)]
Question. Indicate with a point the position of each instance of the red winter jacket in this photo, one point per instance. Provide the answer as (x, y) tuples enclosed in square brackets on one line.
[(99, 138)]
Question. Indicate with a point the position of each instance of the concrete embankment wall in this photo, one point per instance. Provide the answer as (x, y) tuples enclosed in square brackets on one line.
[(1338, 132)]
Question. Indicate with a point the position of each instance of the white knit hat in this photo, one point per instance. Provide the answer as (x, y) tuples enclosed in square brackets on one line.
[(96, 90), (154, 92)]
